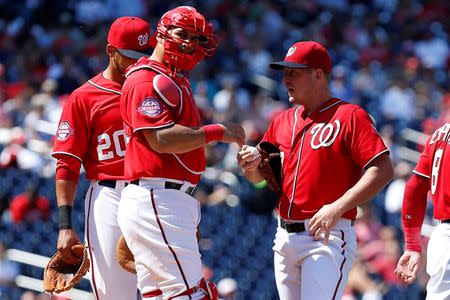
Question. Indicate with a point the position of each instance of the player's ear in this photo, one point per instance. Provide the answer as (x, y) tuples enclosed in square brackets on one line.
[(318, 73), (110, 50)]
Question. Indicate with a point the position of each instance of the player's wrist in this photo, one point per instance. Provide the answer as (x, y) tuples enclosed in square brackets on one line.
[(213, 132), (65, 217)]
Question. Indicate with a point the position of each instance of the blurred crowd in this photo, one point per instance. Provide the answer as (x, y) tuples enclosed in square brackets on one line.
[(390, 56)]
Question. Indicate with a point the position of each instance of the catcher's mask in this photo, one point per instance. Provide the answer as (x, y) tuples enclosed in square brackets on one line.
[(187, 18)]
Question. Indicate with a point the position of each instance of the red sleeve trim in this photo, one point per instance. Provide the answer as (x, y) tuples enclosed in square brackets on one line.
[(412, 239), (68, 168)]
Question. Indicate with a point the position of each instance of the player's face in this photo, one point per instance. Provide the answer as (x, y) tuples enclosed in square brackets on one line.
[(188, 40), (299, 83)]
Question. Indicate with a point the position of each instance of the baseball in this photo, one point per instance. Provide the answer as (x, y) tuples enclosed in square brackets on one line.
[(254, 154)]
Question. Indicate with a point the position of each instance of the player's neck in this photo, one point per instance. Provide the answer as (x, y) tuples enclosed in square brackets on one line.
[(111, 74), (158, 55), (318, 101)]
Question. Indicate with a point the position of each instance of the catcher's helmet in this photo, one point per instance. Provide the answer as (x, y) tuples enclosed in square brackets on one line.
[(187, 18)]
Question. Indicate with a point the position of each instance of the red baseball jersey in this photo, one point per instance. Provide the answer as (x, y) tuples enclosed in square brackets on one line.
[(434, 163), (91, 129), (323, 155), (146, 106)]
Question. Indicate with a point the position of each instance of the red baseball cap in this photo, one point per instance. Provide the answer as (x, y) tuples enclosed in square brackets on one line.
[(305, 55), (131, 36)]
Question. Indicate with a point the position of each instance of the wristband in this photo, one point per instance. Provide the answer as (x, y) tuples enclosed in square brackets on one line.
[(213, 132), (65, 217)]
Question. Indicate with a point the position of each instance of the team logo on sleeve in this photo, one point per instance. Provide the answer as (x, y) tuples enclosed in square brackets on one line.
[(64, 131), (150, 107)]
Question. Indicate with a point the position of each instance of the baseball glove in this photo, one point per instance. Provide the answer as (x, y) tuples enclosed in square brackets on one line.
[(60, 276), (124, 256), (270, 165)]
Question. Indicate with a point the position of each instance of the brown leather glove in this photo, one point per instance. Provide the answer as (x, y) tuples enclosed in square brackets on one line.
[(124, 256), (60, 276), (270, 166)]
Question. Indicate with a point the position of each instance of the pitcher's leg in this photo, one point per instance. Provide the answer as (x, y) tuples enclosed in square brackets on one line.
[(325, 271), (287, 277)]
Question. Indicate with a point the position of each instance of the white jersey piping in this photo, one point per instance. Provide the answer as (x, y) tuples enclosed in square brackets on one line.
[(420, 174), (67, 153), (103, 88)]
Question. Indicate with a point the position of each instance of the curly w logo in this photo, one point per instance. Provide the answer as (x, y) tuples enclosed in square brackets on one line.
[(323, 135)]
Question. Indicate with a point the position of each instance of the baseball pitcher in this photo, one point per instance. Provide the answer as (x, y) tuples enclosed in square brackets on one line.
[(332, 161), (91, 133)]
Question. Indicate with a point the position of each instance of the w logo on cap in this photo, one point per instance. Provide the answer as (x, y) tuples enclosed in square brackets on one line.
[(291, 51), (143, 39)]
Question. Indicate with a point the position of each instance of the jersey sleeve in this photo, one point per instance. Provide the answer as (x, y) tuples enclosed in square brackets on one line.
[(423, 167), (148, 110), (363, 141), (270, 135), (72, 135)]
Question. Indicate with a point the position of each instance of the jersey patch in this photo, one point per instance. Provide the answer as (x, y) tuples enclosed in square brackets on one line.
[(64, 131), (150, 107)]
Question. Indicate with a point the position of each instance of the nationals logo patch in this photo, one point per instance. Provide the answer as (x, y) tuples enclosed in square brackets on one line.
[(150, 107), (64, 131)]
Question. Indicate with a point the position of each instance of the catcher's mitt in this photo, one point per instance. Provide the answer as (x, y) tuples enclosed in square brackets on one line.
[(270, 165), (124, 256), (60, 276)]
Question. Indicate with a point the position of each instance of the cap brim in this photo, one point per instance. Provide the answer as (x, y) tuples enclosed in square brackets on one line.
[(286, 64), (135, 54)]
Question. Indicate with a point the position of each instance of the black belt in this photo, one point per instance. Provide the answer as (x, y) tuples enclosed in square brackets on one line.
[(293, 227), (172, 186), (445, 221), (108, 183)]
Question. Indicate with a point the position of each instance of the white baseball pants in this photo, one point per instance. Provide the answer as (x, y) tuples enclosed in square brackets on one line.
[(159, 226), (307, 269), (438, 263), (108, 280)]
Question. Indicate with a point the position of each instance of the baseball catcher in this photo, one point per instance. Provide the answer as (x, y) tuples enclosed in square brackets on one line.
[(60, 276)]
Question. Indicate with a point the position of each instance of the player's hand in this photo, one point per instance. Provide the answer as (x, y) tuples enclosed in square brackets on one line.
[(408, 266), (323, 222), (248, 158), (66, 239), (233, 133)]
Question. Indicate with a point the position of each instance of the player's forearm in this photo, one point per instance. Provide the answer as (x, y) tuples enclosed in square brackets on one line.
[(176, 139), (65, 192), (413, 210), (374, 179)]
